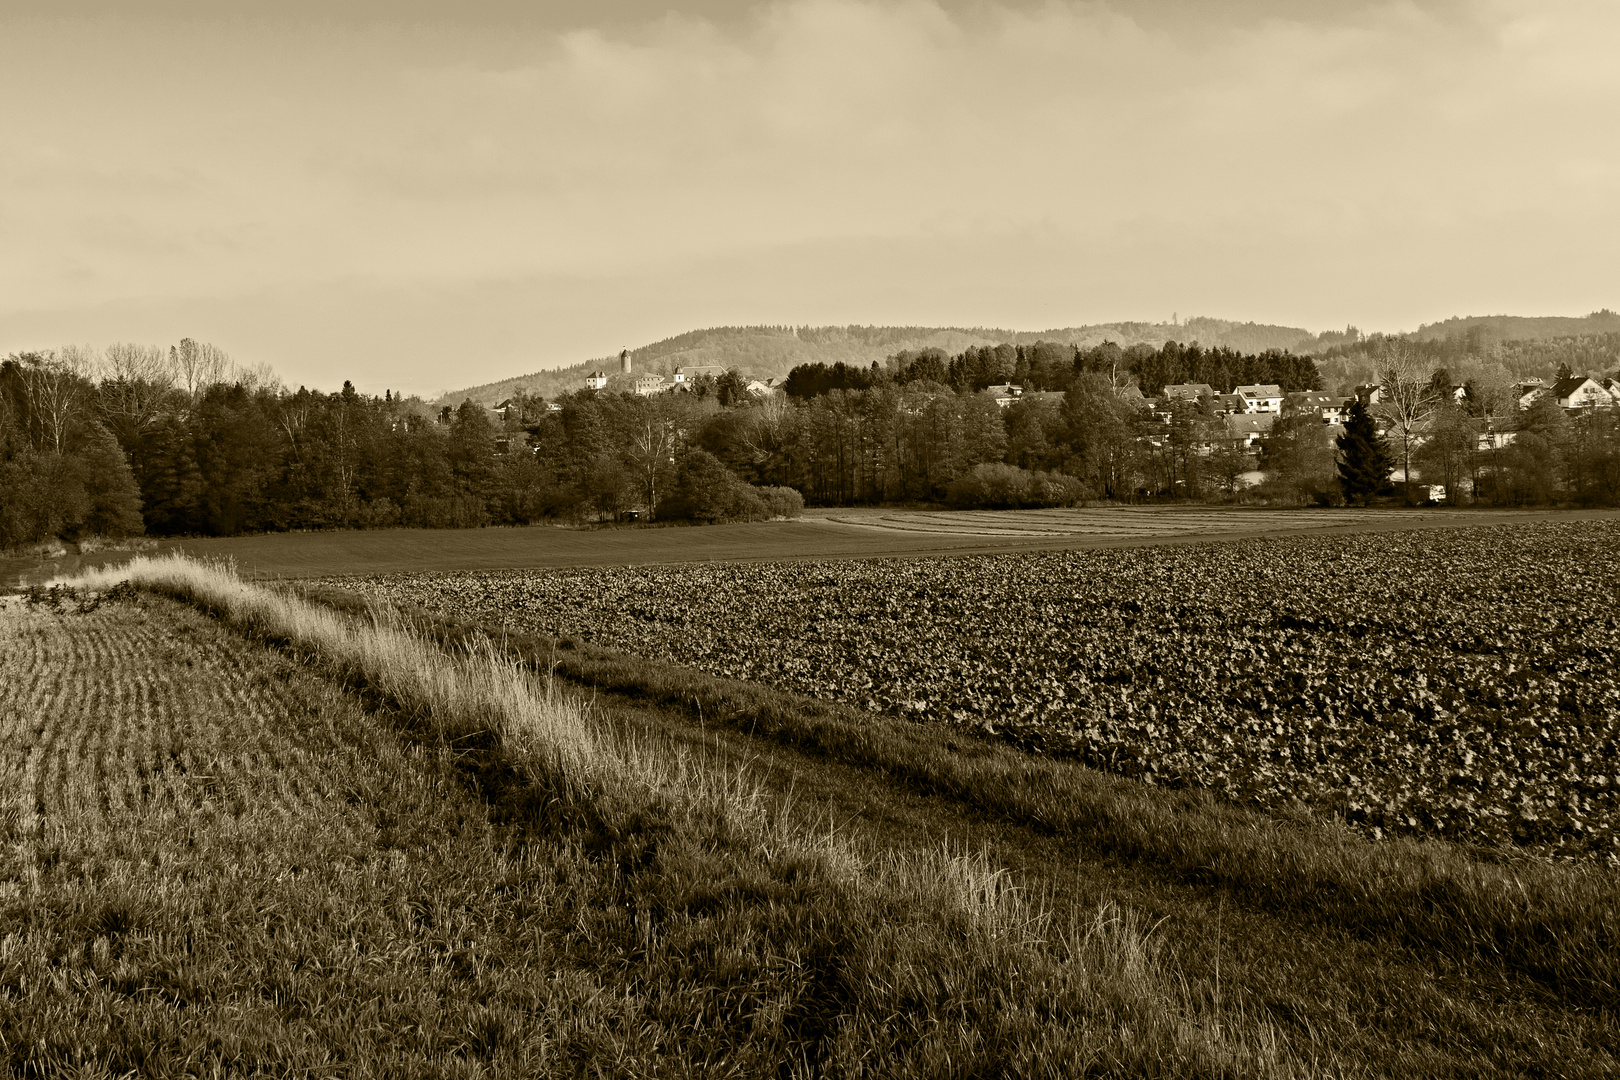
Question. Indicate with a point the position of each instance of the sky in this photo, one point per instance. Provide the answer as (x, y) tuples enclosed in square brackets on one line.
[(424, 195)]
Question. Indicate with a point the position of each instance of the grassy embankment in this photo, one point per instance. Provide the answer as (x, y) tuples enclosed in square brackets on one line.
[(218, 862), (1556, 924)]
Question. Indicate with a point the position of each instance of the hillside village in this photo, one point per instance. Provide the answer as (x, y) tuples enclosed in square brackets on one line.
[(848, 432)]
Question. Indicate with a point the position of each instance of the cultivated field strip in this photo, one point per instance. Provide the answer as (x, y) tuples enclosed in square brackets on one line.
[(212, 863), (108, 718), (1464, 682)]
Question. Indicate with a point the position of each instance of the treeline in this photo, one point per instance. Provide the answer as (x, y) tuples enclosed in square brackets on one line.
[(183, 443), (1050, 366), (180, 441), (1577, 352), (903, 441)]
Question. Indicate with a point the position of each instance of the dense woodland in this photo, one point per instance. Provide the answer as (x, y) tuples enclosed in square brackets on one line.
[(178, 441)]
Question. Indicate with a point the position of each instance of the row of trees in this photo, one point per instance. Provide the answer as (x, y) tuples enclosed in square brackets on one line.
[(181, 441), (897, 442), (1053, 366)]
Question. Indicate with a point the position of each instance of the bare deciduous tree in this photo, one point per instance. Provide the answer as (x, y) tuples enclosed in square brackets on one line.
[(657, 440), (55, 387), (762, 437), (1409, 398), (1490, 387), (197, 366), (259, 377), (135, 379)]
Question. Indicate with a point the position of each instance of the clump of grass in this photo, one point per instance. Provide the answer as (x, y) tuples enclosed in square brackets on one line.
[(740, 944), (1556, 923)]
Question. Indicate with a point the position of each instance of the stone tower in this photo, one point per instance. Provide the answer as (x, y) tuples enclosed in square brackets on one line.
[(624, 362)]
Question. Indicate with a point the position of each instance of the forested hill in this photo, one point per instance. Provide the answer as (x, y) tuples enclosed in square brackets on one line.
[(765, 351), (1484, 330)]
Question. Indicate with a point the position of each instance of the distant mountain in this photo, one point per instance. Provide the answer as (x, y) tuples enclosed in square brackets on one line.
[(1494, 329), (765, 351)]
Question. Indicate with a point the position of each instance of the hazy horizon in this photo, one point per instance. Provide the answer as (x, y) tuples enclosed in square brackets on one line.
[(424, 196)]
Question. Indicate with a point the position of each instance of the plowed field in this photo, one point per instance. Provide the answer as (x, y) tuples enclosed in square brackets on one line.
[(1464, 682)]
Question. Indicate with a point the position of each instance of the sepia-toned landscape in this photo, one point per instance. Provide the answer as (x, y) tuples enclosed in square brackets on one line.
[(809, 539)]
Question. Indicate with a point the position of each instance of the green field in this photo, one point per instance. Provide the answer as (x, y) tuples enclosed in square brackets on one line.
[(859, 533)]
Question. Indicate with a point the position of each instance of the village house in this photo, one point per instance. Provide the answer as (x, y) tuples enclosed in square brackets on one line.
[(596, 380), (1005, 393), (1224, 404), (1329, 408), (1245, 430), (1525, 394), (1195, 391), (1580, 392), (1493, 437), (1260, 397), (693, 372)]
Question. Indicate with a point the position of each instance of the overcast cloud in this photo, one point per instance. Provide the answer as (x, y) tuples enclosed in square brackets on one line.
[(457, 194)]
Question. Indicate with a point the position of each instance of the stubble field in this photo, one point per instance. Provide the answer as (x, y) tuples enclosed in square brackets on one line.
[(1462, 683)]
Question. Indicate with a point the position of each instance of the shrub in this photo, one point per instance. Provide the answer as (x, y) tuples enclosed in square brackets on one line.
[(782, 502), (705, 490), (994, 486)]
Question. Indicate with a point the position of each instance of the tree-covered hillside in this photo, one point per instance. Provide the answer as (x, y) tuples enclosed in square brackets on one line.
[(773, 351), (1485, 330)]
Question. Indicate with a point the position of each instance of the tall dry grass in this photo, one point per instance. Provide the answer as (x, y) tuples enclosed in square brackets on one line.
[(917, 963), (462, 694)]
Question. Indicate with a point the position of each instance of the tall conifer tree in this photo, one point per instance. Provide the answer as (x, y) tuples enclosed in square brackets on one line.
[(1364, 458)]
